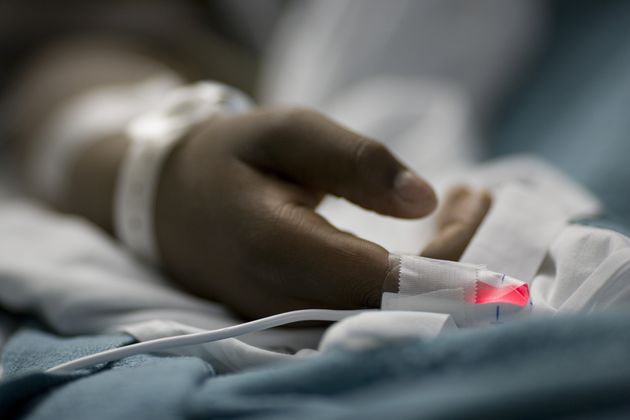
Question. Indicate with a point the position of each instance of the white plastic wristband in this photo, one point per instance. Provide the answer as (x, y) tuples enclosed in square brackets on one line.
[(152, 136), (83, 120)]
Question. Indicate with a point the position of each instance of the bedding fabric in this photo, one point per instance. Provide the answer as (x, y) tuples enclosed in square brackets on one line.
[(564, 367)]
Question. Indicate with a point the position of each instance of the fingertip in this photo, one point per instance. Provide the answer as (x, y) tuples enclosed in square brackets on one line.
[(414, 197)]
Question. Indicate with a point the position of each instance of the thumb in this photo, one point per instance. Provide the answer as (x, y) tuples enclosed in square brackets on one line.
[(314, 151)]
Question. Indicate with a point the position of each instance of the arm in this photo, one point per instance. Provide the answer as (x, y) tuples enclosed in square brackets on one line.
[(235, 216), (51, 80)]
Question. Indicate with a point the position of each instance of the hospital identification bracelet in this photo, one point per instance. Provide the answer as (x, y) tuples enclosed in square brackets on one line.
[(152, 136)]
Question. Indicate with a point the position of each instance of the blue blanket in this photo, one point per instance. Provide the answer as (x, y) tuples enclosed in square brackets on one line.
[(573, 366), (573, 110)]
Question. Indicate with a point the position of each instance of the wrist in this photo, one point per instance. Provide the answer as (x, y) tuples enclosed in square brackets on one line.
[(92, 180), (153, 136)]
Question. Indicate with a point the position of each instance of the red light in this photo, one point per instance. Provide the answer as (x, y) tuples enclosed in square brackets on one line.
[(516, 295)]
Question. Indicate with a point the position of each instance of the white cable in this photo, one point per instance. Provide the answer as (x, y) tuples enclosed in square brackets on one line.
[(204, 337)]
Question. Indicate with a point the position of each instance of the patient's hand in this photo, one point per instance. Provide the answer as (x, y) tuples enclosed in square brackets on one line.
[(459, 217), (235, 213)]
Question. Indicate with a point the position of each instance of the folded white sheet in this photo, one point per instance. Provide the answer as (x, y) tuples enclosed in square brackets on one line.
[(80, 281)]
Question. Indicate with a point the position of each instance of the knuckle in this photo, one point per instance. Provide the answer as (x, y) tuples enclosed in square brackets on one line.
[(368, 286), (287, 215), (284, 121), (273, 130), (368, 154)]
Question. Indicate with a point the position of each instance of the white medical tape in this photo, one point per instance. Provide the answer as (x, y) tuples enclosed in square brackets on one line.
[(471, 294), (152, 136), (419, 275), (531, 204)]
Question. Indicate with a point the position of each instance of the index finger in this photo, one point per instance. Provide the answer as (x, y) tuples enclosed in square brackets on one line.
[(312, 260)]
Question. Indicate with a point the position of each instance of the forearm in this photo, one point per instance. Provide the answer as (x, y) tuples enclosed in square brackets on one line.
[(50, 82), (92, 181)]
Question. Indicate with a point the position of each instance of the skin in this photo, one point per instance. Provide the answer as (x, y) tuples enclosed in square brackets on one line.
[(459, 217), (235, 206), (244, 189), (463, 211)]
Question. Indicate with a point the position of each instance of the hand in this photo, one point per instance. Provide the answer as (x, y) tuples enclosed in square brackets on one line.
[(235, 219), (459, 217)]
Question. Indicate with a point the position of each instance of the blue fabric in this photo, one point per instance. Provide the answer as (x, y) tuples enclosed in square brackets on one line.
[(138, 387), (575, 109), (574, 113), (535, 369)]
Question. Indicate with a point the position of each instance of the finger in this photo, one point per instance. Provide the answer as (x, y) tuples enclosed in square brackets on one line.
[(308, 259), (463, 211), (318, 153)]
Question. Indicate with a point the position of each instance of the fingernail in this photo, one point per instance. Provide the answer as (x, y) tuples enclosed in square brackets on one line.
[(412, 189)]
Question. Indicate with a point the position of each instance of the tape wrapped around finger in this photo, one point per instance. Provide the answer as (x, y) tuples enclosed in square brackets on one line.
[(471, 294)]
